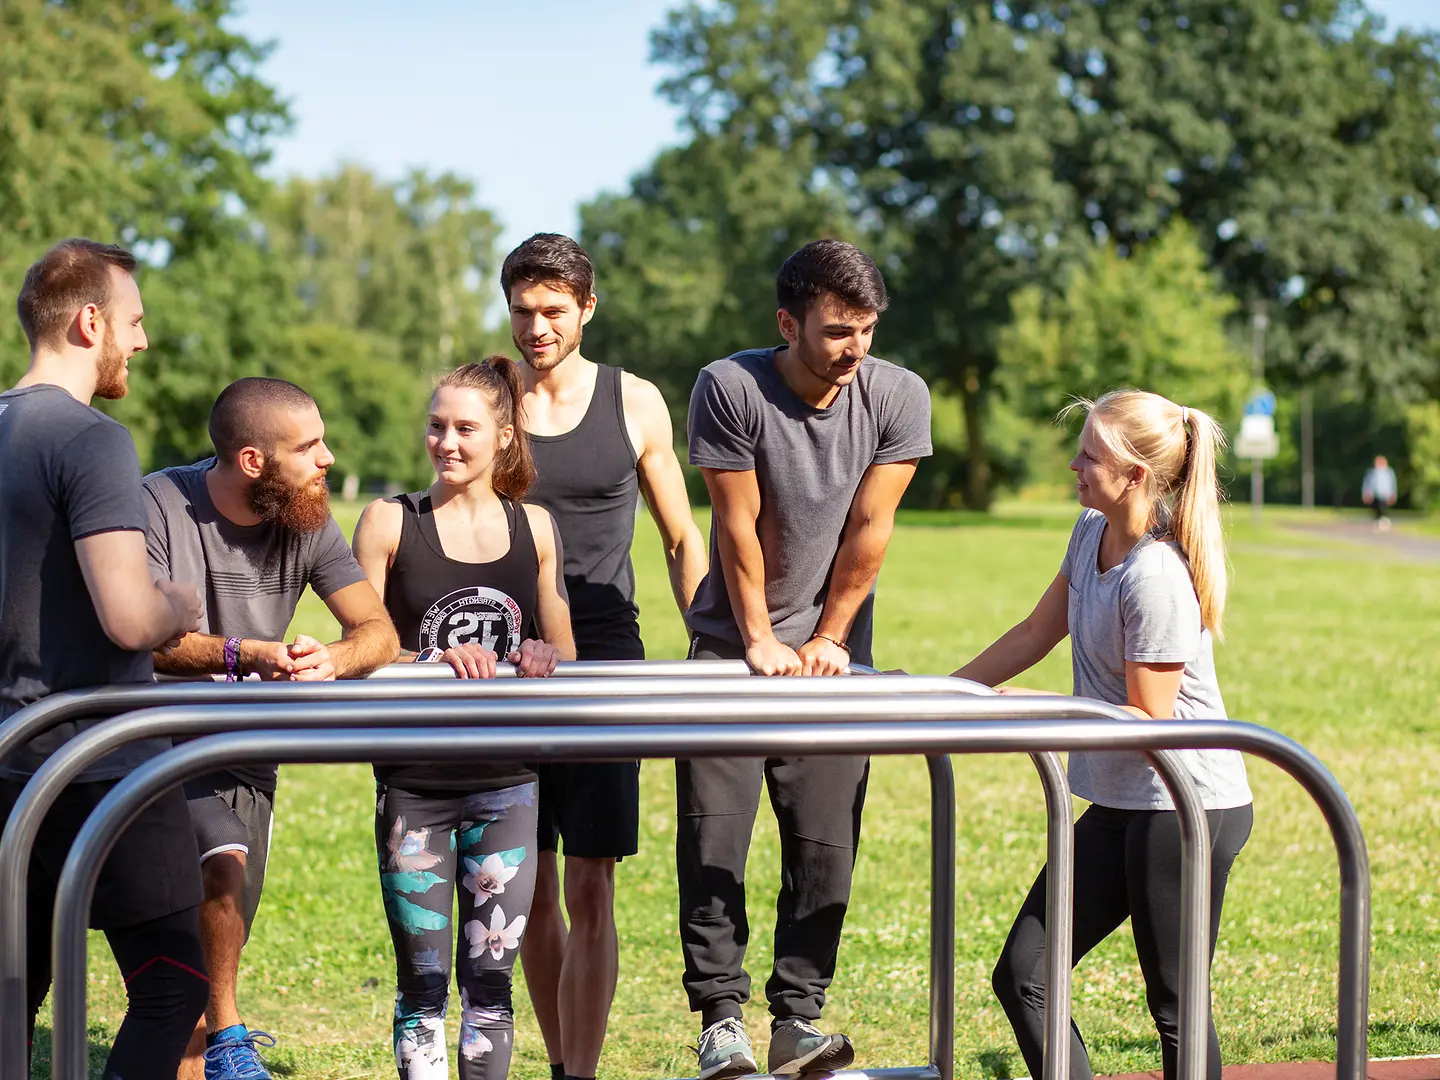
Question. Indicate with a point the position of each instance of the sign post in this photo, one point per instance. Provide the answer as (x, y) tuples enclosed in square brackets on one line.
[(1257, 442)]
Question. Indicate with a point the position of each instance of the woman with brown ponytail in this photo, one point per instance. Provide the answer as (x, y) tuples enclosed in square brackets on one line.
[(469, 575), (1141, 594)]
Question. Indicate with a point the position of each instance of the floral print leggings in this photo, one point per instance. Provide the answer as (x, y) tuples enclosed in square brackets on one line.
[(426, 842)]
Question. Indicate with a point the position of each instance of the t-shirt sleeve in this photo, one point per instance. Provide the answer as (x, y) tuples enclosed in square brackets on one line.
[(722, 435), (333, 566), (99, 482), (905, 427), (1161, 614), (157, 529)]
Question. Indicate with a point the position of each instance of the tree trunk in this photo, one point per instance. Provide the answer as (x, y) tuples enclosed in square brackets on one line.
[(977, 462)]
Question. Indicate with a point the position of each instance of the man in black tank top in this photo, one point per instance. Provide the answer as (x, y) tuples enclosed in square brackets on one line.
[(599, 437)]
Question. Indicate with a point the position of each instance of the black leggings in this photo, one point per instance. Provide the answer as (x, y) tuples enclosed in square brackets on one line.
[(165, 982), (1127, 863)]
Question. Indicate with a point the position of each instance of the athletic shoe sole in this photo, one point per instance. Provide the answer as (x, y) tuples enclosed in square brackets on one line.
[(831, 1056), (738, 1065)]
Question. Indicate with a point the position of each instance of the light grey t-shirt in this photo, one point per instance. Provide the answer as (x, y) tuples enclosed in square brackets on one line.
[(1143, 610), (251, 576), (808, 463)]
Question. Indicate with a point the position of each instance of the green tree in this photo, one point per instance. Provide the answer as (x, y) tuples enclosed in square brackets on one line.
[(990, 144), (413, 261), (685, 261), (1155, 320), (144, 123)]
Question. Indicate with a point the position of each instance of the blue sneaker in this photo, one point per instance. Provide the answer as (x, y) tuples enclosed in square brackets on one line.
[(237, 1056)]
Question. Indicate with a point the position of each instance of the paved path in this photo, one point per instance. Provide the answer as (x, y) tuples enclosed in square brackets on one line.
[(1397, 543)]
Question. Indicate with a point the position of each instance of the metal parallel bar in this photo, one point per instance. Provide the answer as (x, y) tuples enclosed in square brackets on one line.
[(693, 740), (64, 766), (942, 916), (904, 1072), (1059, 913), (1194, 914)]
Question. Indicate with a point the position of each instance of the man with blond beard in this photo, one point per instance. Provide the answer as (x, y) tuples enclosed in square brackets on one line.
[(253, 524), (77, 609)]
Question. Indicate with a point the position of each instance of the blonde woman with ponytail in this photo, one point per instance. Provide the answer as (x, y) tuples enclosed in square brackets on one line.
[(1141, 595)]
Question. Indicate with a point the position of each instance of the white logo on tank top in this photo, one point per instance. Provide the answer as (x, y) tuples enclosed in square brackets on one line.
[(474, 616)]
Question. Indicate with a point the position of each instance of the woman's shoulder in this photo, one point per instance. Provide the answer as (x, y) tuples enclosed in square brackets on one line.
[(1159, 564)]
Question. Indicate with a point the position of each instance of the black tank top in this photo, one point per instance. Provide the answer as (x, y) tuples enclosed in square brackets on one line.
[(440, 603), (587, 481)]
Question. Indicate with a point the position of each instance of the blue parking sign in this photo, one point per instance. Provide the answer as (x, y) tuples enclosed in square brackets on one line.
[(1261, 403)]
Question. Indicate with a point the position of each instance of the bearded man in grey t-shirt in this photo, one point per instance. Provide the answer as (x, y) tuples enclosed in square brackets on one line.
[(806, 449), (253, 525)]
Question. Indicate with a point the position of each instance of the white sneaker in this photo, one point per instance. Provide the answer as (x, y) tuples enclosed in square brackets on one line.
[(725, 1051)]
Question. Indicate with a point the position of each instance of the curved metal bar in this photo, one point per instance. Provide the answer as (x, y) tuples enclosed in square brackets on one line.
[(693, 739), (580, 669), (942, 916), (23, 824), (1194, 913), (1059, 912)]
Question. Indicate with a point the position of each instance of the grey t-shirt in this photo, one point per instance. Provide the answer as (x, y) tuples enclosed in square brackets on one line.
[(251, 576), (1144, 610), (67, 471), (808, 463)]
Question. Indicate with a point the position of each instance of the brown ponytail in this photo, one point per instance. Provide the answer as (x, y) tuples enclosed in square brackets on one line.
[(498, 379)]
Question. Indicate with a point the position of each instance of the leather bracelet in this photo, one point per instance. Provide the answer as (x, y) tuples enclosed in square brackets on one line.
[(232, 659), (832, 641)]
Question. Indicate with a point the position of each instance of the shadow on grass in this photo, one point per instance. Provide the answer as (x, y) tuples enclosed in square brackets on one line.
[(996, 1064)]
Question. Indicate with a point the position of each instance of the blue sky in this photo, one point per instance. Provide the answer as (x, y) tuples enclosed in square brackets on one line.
[(541, 111)]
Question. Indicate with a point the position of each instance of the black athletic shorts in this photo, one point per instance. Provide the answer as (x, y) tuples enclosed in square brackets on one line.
[(592, 809), (151, 871), (231, 815)]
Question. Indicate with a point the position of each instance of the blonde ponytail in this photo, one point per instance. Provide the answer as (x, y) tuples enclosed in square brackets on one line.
[(1195, 518), (1179, 448)]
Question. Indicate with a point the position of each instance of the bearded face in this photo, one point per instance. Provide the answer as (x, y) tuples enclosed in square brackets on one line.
[(111, 377), (299, 504)]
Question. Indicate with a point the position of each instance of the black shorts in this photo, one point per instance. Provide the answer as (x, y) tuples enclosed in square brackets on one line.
[(231, 815), (151, 871), (593, 808)]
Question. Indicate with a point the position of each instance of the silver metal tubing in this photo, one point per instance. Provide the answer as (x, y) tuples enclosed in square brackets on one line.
[(64, 766), (1059, 913), (942, 916), (887, 732), (1194, 913), (582, 669)]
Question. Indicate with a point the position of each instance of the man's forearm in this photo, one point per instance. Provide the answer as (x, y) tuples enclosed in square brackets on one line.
[(857, 566), (687, 563), (743, 563), (370, 645), (197, 654)]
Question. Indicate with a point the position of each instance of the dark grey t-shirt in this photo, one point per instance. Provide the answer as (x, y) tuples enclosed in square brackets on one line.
[(808, 463), (67, 471), (251, 576)]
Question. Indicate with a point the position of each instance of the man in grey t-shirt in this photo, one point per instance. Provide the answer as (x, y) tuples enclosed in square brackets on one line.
[(806, 450), (253, 525)]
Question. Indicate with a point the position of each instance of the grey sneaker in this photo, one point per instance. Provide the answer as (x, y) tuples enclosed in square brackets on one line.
[(725, 1050), (797, 1047)]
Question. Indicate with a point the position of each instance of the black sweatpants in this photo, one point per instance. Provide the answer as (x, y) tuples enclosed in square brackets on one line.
[(817, 801), (1127, 863), (146, 902)]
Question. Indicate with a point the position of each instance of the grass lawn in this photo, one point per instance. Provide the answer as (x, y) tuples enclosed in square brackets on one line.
[(1326, 643)]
